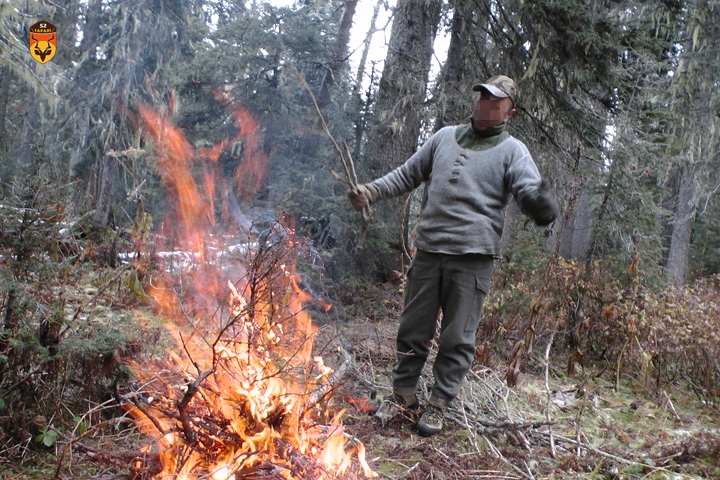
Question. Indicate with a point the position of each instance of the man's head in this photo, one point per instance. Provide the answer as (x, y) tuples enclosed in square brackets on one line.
[(496, 103)]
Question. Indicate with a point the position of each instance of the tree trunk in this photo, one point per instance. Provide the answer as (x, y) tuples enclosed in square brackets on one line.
[(582, 226), (340, 51), (109, 169), (393, 137), (80, 137), (124, 70), (560, 239), (107, 180), (30, 124), (366, 49), (694, 91), (453, 101), (676, 266), (84, 94), (4, 92), (360, 106), (575, 232), (91, 30), (402, 90)]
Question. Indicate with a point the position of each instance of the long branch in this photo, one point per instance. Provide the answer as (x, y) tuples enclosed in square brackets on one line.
[(192, 389)]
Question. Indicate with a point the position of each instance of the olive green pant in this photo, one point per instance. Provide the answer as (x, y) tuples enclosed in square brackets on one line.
[(457, 284)]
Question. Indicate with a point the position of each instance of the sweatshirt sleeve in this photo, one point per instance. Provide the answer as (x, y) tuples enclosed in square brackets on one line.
[(410, 175), (530, 191)]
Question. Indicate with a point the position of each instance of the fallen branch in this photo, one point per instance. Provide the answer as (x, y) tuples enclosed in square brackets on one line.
[(192, 388), (120, 461), (136, 402), (407, 472), (71, 227), (593, 449), (498, 454), (334, 377), (669, 403), (548, 406), (514, 426), (90, 431)]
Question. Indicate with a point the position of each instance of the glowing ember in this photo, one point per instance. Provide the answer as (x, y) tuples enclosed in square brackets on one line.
[(233, 398)]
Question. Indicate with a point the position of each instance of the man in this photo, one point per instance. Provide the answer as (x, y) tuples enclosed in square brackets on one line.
[(471, 172)]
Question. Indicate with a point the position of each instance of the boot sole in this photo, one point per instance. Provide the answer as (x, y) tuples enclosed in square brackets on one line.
[(427, 431)]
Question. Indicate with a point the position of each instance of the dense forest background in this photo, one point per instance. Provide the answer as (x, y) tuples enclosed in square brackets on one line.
[(619, 107)]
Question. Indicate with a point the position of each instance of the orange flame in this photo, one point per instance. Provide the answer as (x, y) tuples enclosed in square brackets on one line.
[(363, 405), (233, 396)]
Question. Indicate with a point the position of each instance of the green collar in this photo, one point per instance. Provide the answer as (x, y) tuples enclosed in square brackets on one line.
[(468, 137)]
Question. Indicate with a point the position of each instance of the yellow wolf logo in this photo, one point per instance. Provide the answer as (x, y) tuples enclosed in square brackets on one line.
[(43, 41)]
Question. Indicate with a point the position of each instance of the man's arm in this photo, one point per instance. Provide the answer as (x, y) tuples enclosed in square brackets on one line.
[(409, 175), (403, 179), (531, 192), (538, 205)]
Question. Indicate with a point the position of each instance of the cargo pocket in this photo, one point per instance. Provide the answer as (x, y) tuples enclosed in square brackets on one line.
[(482, 285)]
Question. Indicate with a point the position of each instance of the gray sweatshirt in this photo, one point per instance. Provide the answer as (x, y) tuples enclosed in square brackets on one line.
[(467, 191)]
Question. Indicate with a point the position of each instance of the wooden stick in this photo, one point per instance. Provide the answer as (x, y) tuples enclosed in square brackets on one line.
[(340, 177), (72, 440), (345, 158), (353, 177), (510, 426)]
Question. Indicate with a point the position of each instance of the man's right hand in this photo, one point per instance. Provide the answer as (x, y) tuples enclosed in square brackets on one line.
[(541, 206), (364, 195)]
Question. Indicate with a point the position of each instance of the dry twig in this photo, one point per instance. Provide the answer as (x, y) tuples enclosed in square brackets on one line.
[(350, 178), (553, 452), (507, 462), (74, 440)]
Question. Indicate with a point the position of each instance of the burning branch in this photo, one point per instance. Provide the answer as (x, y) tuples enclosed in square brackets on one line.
[(192, 389), (237, 395), (318, 394)]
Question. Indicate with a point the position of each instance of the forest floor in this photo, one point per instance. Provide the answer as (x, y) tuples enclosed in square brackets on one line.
[(602, 426)]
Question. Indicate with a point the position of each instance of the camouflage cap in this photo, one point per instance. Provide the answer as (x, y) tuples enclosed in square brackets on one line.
[(500, 86)]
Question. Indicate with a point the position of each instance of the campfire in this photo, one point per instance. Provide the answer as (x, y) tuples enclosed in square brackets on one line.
[(239, 395)]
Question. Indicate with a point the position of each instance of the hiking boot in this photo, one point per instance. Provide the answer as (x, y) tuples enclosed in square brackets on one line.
[(431, 421), (401, 401), (397, 404)]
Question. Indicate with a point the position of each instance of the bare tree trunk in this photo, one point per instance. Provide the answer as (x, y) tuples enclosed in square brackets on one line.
[(340, 51), (4, 92), (80, 137), (83, 95), (676, 266), (453, 103), (393, 136), (26, 148), (360, 106), (575, 233), (402, 92), (560, 239), (582, 226), (107, 180), (366, 49), (108, 170)]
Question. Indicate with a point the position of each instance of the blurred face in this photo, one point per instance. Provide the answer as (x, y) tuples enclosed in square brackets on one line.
[(491, 111)]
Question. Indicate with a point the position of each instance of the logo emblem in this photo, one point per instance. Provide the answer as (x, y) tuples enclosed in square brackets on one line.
[(43, 41)]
